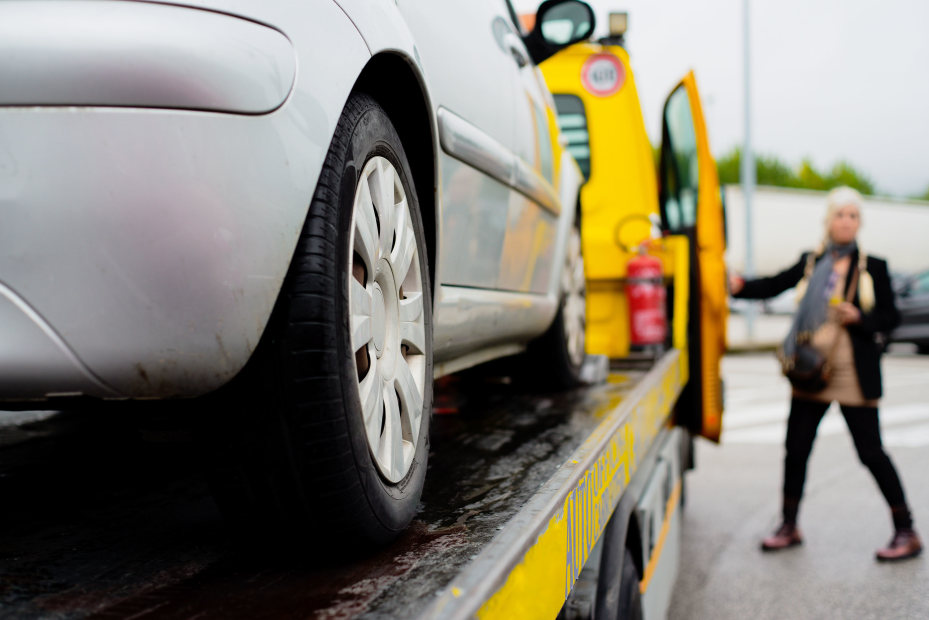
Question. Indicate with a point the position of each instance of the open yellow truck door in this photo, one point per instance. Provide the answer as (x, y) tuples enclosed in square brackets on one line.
[(601, 120), (691, 205)]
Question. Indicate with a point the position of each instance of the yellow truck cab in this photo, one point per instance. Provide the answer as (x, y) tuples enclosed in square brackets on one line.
[(623, 202)]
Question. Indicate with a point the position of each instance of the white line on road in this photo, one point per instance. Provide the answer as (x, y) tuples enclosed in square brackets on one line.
[(903, 425)]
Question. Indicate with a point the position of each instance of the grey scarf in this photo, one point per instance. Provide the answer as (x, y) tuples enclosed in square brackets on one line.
[(813, 309)]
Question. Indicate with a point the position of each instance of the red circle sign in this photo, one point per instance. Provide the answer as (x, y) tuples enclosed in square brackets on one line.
[(603, 75)]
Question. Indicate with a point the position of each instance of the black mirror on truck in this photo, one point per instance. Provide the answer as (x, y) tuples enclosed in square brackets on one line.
[(558, 24)]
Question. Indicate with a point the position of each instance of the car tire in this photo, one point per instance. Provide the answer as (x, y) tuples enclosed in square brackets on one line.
[(324, 436), (555, 359)]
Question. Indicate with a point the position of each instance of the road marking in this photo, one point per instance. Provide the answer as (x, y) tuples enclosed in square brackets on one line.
[(904, 425)]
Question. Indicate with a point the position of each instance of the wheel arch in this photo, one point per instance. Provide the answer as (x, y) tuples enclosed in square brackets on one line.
[(398, 87)]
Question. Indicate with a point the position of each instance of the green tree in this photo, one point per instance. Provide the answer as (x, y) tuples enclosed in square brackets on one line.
[(770, 170), (843, 173), (809, 177), (729, 166), (923, 196)]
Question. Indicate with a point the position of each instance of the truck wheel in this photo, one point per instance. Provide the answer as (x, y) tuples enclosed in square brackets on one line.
[(332, 435), (557, 356), (630, 597)]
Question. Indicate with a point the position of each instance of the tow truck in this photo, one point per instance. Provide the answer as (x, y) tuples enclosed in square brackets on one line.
[(563, 505), (569, 506), (601, 537)]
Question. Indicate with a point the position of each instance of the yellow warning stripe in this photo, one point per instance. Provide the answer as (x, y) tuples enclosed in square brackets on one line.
[(538, 584), (670, 509)]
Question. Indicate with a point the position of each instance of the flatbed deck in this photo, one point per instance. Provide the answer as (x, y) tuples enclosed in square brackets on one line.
[(125, 526)]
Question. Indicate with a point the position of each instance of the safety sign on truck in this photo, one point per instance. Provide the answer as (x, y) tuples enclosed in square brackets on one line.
[(603, 75)]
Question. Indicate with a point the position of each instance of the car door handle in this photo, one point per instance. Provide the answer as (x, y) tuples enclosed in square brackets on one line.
[(515, 47)]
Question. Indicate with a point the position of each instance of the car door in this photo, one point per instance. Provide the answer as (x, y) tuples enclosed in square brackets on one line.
[(528, 252), (691, 205), (466, 51)]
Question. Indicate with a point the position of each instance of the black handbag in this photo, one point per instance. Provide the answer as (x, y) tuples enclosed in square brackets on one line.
[(808, 368)]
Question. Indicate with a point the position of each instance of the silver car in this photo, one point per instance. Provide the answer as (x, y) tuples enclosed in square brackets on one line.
[(294, 216)]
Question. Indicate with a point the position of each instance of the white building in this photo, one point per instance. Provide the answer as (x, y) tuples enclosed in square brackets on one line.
[(786, 222)]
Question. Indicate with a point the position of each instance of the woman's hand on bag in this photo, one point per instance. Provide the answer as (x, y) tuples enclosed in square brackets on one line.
[(736, 283), (847, 313)]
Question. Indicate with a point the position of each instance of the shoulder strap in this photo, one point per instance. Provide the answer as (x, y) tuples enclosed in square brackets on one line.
[(807, 272), (854, 285), (810, 265), (848, 297)]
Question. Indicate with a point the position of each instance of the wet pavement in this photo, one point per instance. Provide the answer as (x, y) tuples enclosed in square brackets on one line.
[(733, 501), (107, 515)]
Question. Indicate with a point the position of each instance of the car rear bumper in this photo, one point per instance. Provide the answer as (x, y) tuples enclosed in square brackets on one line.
[(146, 225), (151, 243), (33, 356)]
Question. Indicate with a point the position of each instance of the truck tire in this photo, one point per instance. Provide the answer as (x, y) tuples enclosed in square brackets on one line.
[(630, 597), (324, 435), (556, 357)]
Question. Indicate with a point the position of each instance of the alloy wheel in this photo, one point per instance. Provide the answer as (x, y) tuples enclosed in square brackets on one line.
[(573, 287), (387, 321)]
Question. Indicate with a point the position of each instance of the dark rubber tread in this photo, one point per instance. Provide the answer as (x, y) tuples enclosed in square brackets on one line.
[(547, 361), (289, 454)]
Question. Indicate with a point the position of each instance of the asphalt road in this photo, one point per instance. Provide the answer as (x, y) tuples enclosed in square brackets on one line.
[(733, 501)]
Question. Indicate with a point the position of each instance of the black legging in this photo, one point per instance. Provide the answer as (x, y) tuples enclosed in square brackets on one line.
[(804, 419)]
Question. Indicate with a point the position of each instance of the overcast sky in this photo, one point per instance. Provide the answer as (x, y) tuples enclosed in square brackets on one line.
[(831, 79)]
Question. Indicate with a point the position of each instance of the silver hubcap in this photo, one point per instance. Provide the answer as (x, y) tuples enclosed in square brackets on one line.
[(575, 305), (387, 319)]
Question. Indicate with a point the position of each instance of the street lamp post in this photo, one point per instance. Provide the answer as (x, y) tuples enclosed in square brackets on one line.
[(748, 164)]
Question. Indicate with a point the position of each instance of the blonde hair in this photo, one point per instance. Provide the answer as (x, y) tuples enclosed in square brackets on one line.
[(839, 197), (843, 196)]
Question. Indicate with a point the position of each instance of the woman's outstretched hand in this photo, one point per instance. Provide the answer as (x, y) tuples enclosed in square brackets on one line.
[(736, 283)]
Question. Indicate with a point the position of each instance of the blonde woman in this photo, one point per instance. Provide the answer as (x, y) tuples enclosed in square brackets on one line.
[(844, 331)]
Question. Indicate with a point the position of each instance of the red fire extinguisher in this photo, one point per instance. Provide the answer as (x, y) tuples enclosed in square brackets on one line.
[(648, 323)]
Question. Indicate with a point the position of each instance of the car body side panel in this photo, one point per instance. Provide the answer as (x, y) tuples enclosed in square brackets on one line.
[(503, 219), (472, 79), (152, 272), (483, 242), (473, 319), (159, 264)]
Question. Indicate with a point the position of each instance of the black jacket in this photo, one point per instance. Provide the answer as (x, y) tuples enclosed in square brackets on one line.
[(881, 320)]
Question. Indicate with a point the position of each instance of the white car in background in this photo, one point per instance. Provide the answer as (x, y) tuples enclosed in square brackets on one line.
[(294, 214)]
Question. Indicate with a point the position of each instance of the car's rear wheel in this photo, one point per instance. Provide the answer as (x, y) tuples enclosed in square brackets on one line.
[(557, 356), (330, 438)]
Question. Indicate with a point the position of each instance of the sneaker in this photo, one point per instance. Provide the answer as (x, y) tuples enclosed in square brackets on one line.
[(787, 535), (905, 544)]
